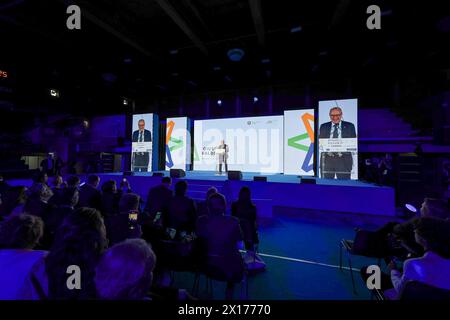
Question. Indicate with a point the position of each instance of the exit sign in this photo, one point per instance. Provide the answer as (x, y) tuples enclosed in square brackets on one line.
[(3, 74)]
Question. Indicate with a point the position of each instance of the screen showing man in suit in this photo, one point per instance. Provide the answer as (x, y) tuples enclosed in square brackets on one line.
[(142, 143), (338, 143)]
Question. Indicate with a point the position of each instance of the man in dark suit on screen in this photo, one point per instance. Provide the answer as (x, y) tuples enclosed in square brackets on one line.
[(141, 159), (337, 164)]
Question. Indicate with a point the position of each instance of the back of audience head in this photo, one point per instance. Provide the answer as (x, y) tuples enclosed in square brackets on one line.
[(435, 208), (40, 177), (434, 235), (109, 186), (245, 195), (125, 271), (129, 202), (210, 192), (166, 181), (80, 240), (57, 181), (94, 180), (217, 204), (21, 232), (181, 188), (73, 182), (40, 191), (70, 197), (15, 196)]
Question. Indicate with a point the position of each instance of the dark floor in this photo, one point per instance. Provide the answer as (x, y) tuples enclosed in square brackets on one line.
[(301, 250)]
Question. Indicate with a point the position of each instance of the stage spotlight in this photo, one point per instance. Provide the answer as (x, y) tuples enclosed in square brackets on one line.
[(255, 99), (125, 101), (235, 54), (219, 102), (409, 210), (54, 93)]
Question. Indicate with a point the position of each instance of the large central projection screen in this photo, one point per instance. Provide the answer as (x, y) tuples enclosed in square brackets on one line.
[(255, 144)]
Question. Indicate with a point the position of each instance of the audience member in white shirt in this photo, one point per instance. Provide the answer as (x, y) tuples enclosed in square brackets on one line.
[(433, 268)]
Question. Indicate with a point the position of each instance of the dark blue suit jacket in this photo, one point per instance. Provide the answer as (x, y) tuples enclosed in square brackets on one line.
[(347, 128), (147, 136)]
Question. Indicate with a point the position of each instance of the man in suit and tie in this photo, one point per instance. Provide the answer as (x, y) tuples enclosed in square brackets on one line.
[(337, 164), (141, 159)]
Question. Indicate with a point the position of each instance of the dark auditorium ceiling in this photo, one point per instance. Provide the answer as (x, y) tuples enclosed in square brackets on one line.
[(151, 49)]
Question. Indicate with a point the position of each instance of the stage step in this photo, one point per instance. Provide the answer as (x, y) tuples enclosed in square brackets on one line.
[(197, 190)]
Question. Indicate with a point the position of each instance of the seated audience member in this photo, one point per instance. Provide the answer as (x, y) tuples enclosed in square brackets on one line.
[(19, 235), (56, 215), (4, 186), (58, 183), (58, 187), (40, 177), (79, 241), (90, 196), (111, 196), (38, 200), (202, 207), (405, 231), (125, 271), (159, 198), (13, 201), (219, 238), (433, 268), (73, 182), (181, 211), (125, 224), (383, 241), (245, 211), (156, 209)]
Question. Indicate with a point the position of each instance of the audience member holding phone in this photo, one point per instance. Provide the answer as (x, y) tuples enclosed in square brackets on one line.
[(432, 269)]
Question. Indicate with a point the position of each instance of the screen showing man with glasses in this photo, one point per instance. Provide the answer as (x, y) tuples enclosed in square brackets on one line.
[(336, 164), (141, 140)]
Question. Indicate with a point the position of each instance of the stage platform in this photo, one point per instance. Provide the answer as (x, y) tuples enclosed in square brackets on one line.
[(280, 190)]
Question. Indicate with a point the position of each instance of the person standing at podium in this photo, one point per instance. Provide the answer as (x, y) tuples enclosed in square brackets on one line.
[(337, 164), (141, 159), (222, 155)]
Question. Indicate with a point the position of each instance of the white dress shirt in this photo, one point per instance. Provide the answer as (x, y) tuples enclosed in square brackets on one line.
[(430, 269), (339, 129)]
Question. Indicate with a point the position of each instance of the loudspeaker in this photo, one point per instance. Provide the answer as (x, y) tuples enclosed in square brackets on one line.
[(177, 173), (128, 173), (158, 174), (308, 180), (234, 175), (262, 179)]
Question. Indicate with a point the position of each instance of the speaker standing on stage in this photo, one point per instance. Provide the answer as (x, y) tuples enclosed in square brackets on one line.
[(222, 152), (141, 159), (337, 164)]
